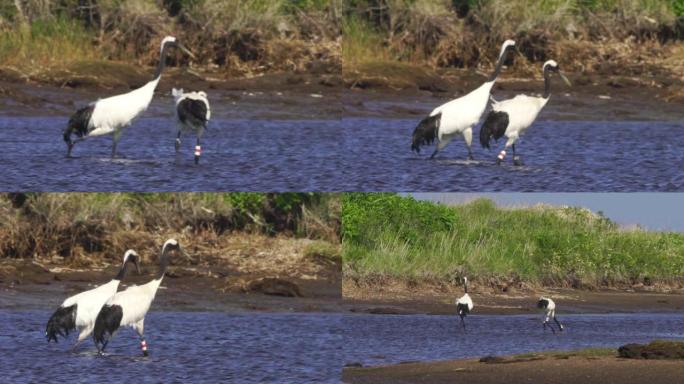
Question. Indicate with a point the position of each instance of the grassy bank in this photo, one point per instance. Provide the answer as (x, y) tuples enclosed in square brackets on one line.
[(78, 228), (386, 236), (232, 36), (625, 37)]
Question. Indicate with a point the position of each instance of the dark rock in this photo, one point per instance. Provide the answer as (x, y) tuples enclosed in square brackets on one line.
[(274, 286)]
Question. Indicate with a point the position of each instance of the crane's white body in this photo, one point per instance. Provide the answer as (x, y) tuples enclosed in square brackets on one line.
[(522, 111), (465, 299), (114, 113), (88, 305), (460, 115), (135, 301), (550, 309)]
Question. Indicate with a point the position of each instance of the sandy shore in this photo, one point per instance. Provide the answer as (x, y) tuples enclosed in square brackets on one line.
[(549, 370), (397, 299)]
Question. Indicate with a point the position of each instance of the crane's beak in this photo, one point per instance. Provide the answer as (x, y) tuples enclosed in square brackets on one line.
[(136, 261), (186, 51), (565, 79)]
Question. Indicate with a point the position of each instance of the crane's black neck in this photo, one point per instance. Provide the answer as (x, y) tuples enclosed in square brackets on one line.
[(547, 83), (162, 62), (465, 286), (163, 263), (499, 65), (122, 271)]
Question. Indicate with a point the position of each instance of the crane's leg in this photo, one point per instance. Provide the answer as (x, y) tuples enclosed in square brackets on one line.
[(117, 136), (198, 150), (85, 332), (560, 326), (463, 322), (516, 158), (178, 141), (468, 137), (139, 328), (441, 143), (502, 154)]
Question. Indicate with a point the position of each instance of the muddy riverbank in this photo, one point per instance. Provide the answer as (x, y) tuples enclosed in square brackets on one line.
[(231, 287), (542, 369)]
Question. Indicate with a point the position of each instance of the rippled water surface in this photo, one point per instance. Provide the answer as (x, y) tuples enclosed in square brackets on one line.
[(387, 339), (568, 156), (238, 155), (185, 347)]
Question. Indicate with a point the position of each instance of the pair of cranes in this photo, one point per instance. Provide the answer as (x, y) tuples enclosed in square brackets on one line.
[(508, 118), (464, 305), (111, 115), (101, 311)]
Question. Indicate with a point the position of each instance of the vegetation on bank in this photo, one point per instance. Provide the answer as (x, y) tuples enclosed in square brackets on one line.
[(237, 36), (390, 236), (589, 36), (45, 225)]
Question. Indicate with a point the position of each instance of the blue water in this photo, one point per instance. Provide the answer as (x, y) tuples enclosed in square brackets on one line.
[(568, 156), (238, 155), (352, 154), (392, 339), (185, 347)]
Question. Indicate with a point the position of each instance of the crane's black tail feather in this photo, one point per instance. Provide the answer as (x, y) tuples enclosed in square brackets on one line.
[(106, 323), (462, 309), (78, 122), (61, 323), (494, 127), (426, 132)]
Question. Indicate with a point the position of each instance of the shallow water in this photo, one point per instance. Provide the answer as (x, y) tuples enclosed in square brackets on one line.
[(569, 156), (238, 155), (184, 347), (388, 339)]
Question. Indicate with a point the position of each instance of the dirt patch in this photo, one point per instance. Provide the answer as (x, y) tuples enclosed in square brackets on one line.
[(655, 350)]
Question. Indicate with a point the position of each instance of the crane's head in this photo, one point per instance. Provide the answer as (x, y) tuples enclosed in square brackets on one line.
[(133, 257), (171, 41), (173, 245), (507, 46), (552, 67)]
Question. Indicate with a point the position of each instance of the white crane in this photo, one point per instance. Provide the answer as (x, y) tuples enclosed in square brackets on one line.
[(129, 307), (80, 311), (512, 117), (111, 115), (464, 304), (192, 114), (549, 307), (457, 117)]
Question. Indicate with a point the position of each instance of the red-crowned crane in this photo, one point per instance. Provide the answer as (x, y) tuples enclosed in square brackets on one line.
[(80, 311), (192, 114), (512, 117), (457, 117), (464, 304), (549, 307), (129, 307), (111, 115)]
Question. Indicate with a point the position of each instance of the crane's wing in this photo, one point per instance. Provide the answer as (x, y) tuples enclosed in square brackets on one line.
[(192, 111)]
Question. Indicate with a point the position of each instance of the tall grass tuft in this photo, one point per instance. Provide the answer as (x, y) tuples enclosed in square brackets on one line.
[(399, 237)]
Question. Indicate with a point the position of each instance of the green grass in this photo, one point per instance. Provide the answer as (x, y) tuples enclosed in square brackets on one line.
[(46, 43), (399, 237)]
